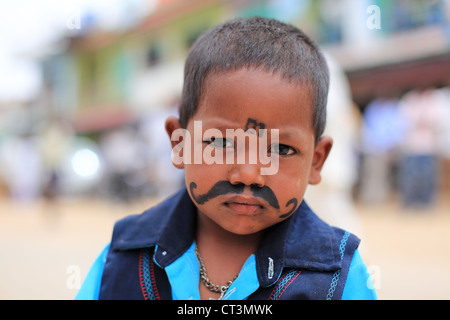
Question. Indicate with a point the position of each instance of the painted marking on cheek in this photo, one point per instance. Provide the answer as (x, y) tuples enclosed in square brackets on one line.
[(193, 186), (294, 203)]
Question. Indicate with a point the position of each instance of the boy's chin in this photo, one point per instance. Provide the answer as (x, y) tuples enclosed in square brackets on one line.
[(242, 228), (237, 221)]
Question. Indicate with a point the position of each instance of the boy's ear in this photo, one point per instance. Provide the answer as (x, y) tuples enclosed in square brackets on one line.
[(321, 153), (173, 127)]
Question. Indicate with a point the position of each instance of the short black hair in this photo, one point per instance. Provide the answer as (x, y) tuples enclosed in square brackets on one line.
[(256, 42)]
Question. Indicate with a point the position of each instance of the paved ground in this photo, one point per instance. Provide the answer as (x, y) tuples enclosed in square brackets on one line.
[(408, 251), (45, 251)]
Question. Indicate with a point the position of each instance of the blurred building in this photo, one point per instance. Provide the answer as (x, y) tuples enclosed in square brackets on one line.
[(106, 76), (131, 69)]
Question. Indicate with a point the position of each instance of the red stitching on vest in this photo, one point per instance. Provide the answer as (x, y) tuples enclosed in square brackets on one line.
[(279, 291), (152, 277), (151, 270), (141, 275)]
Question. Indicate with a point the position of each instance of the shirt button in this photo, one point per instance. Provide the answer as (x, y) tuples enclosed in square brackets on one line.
[(164, 253)]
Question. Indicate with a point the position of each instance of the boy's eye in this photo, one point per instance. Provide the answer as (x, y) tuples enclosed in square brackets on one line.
[(220, 142), (282, 149)]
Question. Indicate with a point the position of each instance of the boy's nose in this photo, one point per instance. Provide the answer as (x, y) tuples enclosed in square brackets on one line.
[(247, 174)]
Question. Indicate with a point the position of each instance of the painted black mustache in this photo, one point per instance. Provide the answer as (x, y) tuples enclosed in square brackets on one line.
[(225, 187)]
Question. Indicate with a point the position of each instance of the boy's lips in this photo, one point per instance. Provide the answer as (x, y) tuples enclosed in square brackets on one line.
[(242, 204)]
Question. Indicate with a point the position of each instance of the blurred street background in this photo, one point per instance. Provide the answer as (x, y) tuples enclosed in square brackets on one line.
[(86, 85)]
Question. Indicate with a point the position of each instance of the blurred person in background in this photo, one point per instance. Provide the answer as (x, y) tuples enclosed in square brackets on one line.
[(53, 144), (121, 155), (22, 164), (382, 131), (442, 96), (418, 169), (161, 174)]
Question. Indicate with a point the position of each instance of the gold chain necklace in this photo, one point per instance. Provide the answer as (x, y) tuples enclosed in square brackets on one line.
[(208, 284)]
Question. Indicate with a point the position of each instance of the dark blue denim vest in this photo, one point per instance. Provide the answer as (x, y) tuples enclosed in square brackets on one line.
[(299, 258)]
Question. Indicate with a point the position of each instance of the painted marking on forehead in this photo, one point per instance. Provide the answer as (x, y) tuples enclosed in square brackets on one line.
[(257, 126)]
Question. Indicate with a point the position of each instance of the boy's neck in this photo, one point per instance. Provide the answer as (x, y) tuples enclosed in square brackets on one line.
[(211, 235), (223, 253)]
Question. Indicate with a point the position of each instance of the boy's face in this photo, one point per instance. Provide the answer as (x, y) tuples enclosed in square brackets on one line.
[(236, 196)]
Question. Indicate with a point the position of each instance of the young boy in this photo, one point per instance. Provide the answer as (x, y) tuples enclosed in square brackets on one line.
[(240, 229)]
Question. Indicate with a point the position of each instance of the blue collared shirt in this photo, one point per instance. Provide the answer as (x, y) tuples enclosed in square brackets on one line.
[(183, 275), (303, 242)]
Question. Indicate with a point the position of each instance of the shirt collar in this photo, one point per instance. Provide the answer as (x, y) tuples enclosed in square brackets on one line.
[(301, 241), (170, 226)]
